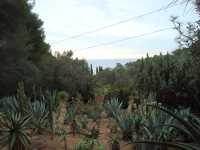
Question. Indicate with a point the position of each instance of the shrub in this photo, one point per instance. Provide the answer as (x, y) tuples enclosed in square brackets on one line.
[(62, 95)]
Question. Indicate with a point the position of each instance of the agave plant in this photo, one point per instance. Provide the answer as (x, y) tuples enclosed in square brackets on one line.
[(70, 114), (52, 106), (112, 107), (190, 127), (13, 131), (154, 129), (39, 113), (125, 122), (71, 119), (10, 104)]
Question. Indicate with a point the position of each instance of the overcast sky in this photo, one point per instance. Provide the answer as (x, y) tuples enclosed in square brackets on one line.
[(65, 18)]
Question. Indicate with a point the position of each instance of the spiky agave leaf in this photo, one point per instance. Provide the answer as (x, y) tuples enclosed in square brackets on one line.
[(178, 145), (112, 106), (190, 127), (39, 112), (125, 122), (14, 130)]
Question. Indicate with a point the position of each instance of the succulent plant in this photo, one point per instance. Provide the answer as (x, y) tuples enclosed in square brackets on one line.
[(112, 107), (125, 122), (39, 116), (14, 131)]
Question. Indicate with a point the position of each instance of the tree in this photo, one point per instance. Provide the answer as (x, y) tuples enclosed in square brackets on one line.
[(22, 46)]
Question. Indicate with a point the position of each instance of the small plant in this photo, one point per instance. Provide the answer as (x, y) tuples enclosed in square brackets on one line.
[(14, 131), (125, 122), (93, 111), (93, 133), (114, 143), (89, 144), (52, 106), (83, 120), (22, 99), (112, 107), (113, 126), (39, 113), (70, 114), (71, 119), (63, 135), (62, 95)]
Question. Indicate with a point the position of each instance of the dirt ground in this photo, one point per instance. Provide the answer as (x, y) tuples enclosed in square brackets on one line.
[(44, 142)]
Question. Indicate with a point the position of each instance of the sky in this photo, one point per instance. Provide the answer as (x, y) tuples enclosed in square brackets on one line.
[(65, 18)]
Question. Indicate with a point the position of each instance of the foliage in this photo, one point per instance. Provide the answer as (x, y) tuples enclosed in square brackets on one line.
[(70, 118), (28, 58), (22, 45), (39, 113), (92, 110), (13, 131), (113, 83), (88, 144), (112, 107), (71, 113), (21, 97), (63, 135), (92, 132), (114, 143), (10, 104), (189, 127), (126, 123), (62, 95)]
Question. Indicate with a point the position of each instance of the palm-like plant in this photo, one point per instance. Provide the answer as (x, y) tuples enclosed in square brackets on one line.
[(39, 113), (13, 131), (112, 107)]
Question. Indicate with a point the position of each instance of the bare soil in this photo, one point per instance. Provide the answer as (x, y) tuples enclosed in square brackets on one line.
[(44, 142)]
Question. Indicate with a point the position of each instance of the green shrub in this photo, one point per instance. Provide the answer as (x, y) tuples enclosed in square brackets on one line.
[(62, 95)]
